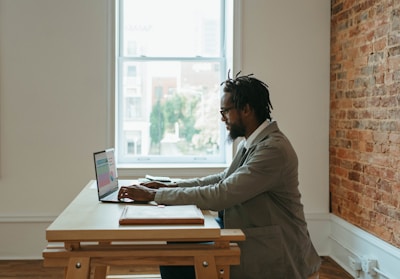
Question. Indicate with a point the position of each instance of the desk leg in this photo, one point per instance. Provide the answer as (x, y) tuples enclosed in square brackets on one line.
[(205, 267), (100, 272), (78, 268)]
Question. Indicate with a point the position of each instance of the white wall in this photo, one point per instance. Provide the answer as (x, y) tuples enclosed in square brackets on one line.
[(53, 86), (287, 44), (53, 102)]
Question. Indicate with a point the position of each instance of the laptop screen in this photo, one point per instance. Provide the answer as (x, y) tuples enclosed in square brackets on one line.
[(106, 171)]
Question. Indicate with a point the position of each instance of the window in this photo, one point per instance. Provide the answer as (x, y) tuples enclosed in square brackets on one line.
[(171, 58)]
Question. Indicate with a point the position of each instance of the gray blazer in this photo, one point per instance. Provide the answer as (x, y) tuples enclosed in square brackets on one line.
[(259, 195)]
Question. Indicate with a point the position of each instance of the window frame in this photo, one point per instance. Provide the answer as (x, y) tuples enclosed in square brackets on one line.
[(128, 168)]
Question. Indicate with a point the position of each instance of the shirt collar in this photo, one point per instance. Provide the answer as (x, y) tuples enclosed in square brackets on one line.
[(250, 140)]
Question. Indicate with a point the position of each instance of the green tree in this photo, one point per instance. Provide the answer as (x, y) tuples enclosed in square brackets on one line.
[(180, 109), (189, 121), (157, 128)]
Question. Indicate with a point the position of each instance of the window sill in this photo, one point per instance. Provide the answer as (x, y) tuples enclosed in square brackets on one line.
[(132, 171)]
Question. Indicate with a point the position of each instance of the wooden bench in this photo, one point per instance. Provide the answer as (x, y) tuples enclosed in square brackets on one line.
[(210, 259)]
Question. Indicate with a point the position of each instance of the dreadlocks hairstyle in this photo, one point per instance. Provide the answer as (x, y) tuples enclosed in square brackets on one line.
[(249, 90)]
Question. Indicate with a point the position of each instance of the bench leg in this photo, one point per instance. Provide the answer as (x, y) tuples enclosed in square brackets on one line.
[(205, 267), (78, 268), (100, 272)]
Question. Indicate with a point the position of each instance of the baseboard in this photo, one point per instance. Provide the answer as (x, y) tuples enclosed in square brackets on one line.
[(348, 240), (23, 237), (26, 219)]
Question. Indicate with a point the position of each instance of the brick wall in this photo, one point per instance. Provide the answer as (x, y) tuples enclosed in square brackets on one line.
[(365, 115)]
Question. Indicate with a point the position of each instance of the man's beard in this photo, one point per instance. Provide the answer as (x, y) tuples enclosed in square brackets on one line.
[(236, 131)]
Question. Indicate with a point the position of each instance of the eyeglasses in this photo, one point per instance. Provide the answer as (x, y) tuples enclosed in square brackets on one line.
[(224, 111)]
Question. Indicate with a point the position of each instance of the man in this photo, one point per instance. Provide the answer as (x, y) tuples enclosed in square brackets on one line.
[(258, 193)]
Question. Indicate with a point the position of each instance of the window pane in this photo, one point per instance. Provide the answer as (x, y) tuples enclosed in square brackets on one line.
[(171, 109), (171, 28)]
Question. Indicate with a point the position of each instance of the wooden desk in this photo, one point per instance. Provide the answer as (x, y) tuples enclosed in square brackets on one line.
[(87, 235)]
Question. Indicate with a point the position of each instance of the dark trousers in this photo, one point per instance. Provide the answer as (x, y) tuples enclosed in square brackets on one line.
[(182, 272), (177, 272)]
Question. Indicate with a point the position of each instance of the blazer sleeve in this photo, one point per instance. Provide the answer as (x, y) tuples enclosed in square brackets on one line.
[(265, 169), (203, 181)]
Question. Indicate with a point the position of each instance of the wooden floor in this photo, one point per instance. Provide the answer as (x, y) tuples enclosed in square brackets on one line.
[(33, 269)]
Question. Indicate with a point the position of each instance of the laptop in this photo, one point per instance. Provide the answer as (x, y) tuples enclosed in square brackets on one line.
[(106, 176)]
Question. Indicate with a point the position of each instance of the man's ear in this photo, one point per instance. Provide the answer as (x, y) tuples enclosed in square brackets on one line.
[(247, 109)]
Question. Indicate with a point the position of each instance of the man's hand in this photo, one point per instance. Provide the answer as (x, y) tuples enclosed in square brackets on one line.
[(137, 193)]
